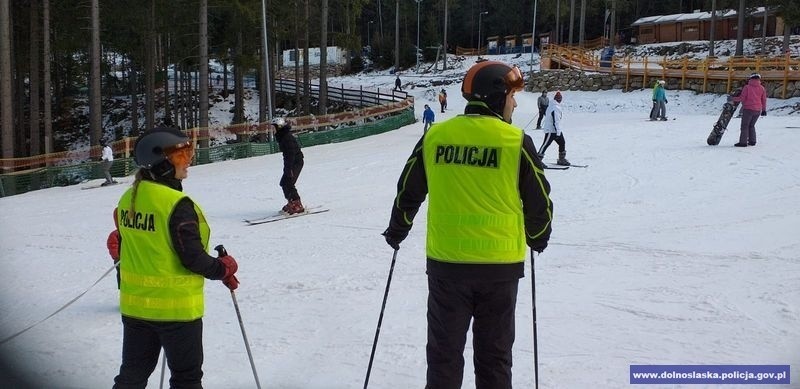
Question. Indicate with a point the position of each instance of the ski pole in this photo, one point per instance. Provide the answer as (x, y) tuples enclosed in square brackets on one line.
[(163, 362), (222, 252), (533, 303), (380, 319)]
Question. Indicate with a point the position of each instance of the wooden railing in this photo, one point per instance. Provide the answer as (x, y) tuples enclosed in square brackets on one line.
[(781, 69)]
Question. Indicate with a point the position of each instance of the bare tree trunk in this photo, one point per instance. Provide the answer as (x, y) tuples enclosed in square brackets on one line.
[(764, 33), (6, 99), (323, 59), (149, 71), (613, 33), (238, 81), (306, 75), (740, 30), (48, 101), (34, 80), (95, 106), (175, 93), (297, 98), (134, 85), (582, 30), (396, 35), (164, 68), (262, 85), (444, 49), (225, 78), (786, 36), (711, 45), (571, 20), (203, 76)]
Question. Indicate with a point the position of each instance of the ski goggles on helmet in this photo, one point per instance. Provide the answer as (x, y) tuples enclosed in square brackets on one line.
[(180, 154), (514, 79)]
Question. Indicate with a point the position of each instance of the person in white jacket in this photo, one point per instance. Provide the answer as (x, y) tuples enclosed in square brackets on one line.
[(108, 160), (552, 130)]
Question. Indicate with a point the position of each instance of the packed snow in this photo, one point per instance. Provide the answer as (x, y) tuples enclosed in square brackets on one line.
[(664, 251)]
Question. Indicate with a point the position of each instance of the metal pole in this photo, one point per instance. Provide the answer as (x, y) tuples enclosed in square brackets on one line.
[(266, 58), (480, 15)]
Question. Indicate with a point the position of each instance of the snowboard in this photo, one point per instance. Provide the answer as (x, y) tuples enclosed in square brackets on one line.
[(282, 216), (728, 109)]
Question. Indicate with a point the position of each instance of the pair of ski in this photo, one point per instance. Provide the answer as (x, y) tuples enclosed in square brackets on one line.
[(283, 215)]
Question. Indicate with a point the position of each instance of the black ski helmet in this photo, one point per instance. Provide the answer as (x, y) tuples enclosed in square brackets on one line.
[(148, 151), (490, 82)]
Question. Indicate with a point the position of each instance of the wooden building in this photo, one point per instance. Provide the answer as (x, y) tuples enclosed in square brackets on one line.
[(697, 26)]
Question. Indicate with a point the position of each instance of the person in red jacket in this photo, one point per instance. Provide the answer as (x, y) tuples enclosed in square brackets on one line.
[(754, 102)]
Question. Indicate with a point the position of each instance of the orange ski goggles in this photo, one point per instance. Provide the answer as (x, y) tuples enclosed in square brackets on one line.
[(181, 154)]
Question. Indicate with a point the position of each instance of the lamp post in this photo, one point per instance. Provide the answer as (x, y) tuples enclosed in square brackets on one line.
[(416, 52), (479, 29), (369, 27)]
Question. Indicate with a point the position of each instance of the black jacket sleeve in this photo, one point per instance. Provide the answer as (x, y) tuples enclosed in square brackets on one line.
[(534, 191), (412, 188), (185, 232)]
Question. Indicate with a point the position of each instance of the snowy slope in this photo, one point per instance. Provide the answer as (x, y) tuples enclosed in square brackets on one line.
[(664, 251)]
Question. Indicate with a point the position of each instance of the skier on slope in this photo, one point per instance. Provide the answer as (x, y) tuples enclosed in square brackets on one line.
[(542, 102), (163, 243), (292, 165), (427, 118), (552, 130), (486, 201), (108, 162), (754, 102)]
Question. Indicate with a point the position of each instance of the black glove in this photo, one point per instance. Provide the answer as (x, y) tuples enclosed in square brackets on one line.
[(666, 101), (393, 238), (537, 246), (654, 100), (763, 113)]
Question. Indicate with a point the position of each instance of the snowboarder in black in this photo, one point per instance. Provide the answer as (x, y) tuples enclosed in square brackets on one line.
[(292, 165)]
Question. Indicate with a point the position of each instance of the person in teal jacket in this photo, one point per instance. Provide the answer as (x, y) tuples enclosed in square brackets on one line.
[(488, 199), (660, 99)]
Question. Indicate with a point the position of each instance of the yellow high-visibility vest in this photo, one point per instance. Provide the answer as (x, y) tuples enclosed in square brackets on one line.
[(475, 214), (154, 283)]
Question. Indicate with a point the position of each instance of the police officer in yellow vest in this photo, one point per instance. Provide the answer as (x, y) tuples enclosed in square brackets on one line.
[(488, 198), (163, 246)]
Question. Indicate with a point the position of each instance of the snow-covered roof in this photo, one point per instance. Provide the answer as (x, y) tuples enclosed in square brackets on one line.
[(703, 15)]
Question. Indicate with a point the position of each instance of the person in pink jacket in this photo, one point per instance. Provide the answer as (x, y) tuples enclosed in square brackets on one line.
[(754, 102)]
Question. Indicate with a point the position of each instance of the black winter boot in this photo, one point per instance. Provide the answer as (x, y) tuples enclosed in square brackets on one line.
[(562, 159)]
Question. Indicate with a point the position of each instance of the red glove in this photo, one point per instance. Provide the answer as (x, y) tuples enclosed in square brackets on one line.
[(230, 266), (112, 243), (231, 282)]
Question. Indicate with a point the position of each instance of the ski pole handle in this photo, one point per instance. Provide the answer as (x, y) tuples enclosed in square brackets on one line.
[(221, 252)]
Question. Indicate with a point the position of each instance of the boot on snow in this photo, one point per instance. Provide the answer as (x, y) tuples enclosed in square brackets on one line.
[(295, 206), (562, 159)]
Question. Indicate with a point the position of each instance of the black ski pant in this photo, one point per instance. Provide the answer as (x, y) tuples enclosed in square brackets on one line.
[(289, 179), (142, 341), (549, 137), (541, 116), (452, 304)]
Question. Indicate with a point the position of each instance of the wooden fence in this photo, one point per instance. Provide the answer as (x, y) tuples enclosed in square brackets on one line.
[(371, 104), (731, 69)]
